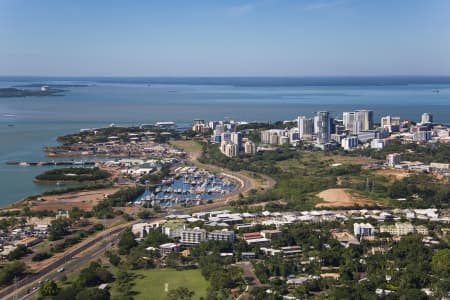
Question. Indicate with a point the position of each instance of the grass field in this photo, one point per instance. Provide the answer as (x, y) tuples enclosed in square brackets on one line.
[(151, 284)]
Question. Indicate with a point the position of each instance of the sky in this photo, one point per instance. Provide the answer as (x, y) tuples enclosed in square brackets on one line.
[(224, 37)]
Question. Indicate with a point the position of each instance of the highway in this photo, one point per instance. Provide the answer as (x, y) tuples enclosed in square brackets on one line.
[(29, 285), (50, 271)]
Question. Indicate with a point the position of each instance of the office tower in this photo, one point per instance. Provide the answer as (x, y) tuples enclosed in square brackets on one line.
[(390, 121), (305, 127), (332, 126), (427, 118), (348, 119), (236, 138), (323, 127), (226, 137), (363, 120), (316, 125)]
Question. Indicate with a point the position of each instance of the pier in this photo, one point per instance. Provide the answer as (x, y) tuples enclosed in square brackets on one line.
[(52, 163)]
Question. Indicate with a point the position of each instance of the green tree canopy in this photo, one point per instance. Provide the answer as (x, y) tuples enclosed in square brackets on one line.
[(180, 293), (48, 288)]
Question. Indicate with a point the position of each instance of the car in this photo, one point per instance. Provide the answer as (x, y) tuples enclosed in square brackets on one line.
[(60, 270)]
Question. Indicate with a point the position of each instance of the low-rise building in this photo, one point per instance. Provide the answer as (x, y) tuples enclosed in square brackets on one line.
[(345, 238), (166, 249), (193, 236), (398, 229), (363, 230), (268, 234), (173, 229), (221, 235), (141, 229), (29, 241), (349, 143)]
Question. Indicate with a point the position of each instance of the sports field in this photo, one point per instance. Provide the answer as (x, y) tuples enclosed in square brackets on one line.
[(153, 284)]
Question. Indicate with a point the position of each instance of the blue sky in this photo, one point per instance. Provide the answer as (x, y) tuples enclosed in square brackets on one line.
[(224, 38)]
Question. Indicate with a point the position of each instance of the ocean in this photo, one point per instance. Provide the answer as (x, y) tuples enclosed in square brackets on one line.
[(29, 124)]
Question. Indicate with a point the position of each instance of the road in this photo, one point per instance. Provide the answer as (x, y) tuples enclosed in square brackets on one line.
[(50, 271), (246, 183)]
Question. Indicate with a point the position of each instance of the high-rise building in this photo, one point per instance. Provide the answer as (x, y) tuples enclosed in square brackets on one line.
[(305, 127), (393, 159), (390, 121), (283, 140), (323, 127), (229, 149), (316, 124), (427, 118), (363, 120), (236, 138), (249, 147), (219, 129), (350, 142), (226, 137), (348, 119)]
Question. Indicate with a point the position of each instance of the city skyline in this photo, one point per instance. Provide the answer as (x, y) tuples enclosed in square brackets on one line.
[(233, 38)]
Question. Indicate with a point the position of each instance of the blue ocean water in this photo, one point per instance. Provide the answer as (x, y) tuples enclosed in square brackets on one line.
[(37, 121)]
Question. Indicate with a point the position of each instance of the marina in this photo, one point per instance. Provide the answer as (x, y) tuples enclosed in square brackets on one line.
[(189, 186)]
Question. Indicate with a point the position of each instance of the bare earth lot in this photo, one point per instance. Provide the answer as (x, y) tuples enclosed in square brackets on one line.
[(340, 197), (85, 200), (398, 174)]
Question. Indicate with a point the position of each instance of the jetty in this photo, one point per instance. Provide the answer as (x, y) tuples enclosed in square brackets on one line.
[(52, 163)]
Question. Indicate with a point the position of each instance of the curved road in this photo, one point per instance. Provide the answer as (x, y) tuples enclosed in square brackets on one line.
[(246, 184)]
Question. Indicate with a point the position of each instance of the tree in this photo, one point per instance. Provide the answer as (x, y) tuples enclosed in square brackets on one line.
[(93, 276), (48, 288), (67, 293), (114, 259), (9, 271), (180, 293), (93, 294), (41, 256), (440, 263), (58, 229), (127, 241), (19, 252), (144, 214)]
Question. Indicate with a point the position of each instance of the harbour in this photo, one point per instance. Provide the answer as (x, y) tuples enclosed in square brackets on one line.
[(187, 186)]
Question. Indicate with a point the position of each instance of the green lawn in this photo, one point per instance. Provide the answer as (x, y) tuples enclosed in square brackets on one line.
[(151, 284)]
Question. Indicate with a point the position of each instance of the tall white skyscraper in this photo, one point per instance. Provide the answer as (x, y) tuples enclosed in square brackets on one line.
[(363, 121), (348, 120), (236, 138), (305, 127), (323, 127), (427, 118)]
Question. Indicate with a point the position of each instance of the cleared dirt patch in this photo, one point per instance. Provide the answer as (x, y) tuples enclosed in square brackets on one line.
[(352, 160), (398, 174), (85, 200), (340, 197)]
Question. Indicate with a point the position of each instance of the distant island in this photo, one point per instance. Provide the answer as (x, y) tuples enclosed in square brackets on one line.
[(37, 89), (15, 92), (50, 86)]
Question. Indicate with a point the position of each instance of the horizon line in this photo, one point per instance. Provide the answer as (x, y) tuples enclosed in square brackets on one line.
[(228, 76)]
